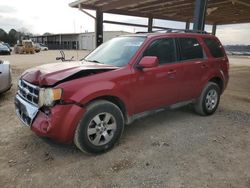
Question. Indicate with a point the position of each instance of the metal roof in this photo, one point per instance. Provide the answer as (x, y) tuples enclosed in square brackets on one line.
[(218, 11)]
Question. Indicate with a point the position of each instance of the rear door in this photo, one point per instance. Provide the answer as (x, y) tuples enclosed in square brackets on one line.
[(159, 86), (194, 62)]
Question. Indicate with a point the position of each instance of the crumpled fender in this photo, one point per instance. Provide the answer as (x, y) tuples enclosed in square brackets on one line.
[(98, 89)]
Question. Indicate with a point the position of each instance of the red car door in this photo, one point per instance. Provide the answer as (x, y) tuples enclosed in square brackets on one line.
[(159, 86), (194, 62)]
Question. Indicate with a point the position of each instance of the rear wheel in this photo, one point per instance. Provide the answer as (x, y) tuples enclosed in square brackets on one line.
[(100, 128), (209, 99)]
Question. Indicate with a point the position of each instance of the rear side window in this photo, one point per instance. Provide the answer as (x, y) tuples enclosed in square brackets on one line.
[(214, 47), (164, 49), (190, 49)]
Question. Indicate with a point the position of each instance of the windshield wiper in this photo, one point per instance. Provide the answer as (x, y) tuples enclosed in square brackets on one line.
[(94, 61)]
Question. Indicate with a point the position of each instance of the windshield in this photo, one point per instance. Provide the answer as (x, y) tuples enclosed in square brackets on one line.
[(3, 47), (117, 51), (6, 44)]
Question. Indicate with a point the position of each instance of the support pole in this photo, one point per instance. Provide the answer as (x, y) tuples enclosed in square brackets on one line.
[(99, 27), (214, 29), (200, 11), (150, 24), (187, 25)]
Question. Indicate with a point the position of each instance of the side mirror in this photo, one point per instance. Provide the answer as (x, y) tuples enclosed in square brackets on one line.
[(148, 62)]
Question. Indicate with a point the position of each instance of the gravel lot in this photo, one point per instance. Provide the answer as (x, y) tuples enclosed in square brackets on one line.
[(170, 149)]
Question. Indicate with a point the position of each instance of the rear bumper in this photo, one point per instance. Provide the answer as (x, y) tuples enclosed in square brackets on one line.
[(59, 124), (225, 83)]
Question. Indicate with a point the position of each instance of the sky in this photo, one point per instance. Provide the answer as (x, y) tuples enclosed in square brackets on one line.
[(55, 16)]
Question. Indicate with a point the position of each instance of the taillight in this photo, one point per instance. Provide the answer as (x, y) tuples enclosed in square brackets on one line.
[(227, 64), (225, 61)]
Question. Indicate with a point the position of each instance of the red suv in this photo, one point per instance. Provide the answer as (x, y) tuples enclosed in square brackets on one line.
[(89, 101)]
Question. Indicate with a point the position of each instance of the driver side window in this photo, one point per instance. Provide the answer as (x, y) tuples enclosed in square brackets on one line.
[(164, 49)]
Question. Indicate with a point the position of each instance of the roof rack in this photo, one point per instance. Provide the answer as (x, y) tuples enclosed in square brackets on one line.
[(173, 30), (141, 32), (186, 31)]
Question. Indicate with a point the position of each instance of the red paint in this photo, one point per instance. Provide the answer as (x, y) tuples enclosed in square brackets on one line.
[(149, 62), (60, 124), (139, 89), (50, 74)]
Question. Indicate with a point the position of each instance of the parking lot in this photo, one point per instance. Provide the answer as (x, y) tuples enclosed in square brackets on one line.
[(174, 148)]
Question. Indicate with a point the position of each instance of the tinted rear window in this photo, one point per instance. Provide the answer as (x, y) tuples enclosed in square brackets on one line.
[(214, 47), (190, 49)]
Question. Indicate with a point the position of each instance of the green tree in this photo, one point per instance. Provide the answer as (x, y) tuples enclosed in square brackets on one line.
[(3, 36), (13, 36)]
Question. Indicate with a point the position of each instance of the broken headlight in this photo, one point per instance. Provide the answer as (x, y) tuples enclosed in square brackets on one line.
[(48, 96)]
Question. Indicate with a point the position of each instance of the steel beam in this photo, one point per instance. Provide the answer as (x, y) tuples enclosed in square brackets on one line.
[(123, 23), (85, 12), (134, 25), (117, 4), (214, 29), (99, 27), (200, 11), (187, 25), (150, 24)]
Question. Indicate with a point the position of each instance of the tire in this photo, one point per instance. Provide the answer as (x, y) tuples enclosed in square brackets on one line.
[(209, 99), (96, 135)]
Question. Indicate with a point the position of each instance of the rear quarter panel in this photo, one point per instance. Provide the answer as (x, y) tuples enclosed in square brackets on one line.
[(218, 67)]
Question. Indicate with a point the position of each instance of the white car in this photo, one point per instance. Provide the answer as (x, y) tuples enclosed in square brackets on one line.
[(5, 76), (43, 47)]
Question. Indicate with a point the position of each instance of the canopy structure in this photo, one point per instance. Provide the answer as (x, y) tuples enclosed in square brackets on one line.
[(218, 11), (215, 12)]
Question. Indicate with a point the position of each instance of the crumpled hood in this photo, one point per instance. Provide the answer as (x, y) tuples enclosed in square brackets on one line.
[(50, 74)]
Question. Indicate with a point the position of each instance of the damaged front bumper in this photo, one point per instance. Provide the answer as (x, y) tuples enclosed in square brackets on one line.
[(25, 111), (59, 124)]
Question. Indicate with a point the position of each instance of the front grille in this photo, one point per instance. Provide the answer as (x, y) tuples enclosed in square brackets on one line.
[(29, 92), (25, 110)]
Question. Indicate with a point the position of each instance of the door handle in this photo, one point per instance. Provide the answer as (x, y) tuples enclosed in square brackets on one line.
[(171, 71), (204, 66)]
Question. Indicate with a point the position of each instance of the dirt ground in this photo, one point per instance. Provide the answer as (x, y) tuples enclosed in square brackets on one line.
[(174, 148)]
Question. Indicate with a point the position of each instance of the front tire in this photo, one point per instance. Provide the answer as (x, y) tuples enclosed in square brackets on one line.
[(209, 99), (100, 128)]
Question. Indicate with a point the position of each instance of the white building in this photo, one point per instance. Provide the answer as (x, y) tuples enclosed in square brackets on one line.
[(87, 40), (81, 41)]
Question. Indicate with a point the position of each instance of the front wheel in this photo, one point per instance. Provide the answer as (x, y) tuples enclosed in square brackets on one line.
[(209, 99), (100, 128)]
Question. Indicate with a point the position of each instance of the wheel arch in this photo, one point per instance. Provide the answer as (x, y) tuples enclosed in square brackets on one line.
[(219, 82), (115, 100)]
